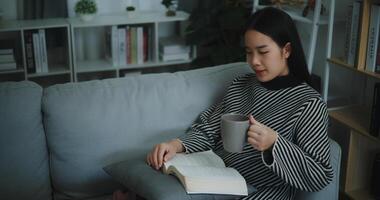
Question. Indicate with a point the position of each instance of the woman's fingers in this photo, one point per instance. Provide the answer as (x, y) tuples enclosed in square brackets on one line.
[(160, 157)]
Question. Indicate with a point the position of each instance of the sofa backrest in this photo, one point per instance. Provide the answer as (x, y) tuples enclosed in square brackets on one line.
[(92, 124), (24, 162)]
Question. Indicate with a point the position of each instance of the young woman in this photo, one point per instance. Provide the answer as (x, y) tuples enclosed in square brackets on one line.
[(288, 147)]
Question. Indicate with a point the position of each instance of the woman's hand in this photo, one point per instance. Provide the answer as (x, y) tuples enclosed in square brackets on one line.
[(163, 152), (260, 136)]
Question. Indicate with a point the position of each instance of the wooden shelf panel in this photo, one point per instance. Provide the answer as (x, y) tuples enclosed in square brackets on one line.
[(354, 117), (343, 64), (360, 194)]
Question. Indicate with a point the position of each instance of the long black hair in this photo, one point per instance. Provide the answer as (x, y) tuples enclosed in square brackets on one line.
[(280, 27)]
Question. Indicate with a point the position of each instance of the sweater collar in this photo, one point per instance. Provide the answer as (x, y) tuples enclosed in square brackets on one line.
[(281, 82)]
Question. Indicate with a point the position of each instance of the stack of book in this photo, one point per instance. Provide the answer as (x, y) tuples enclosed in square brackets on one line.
[(173, 48), (36, 51), (7, 59), (129, 45)]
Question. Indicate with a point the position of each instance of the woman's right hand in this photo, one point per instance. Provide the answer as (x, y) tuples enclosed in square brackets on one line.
[(163, 152)]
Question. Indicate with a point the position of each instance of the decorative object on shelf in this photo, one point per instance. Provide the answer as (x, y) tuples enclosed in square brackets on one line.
[(130, 11), (216, 27), (311, 6), (86, 9), (171, 6)]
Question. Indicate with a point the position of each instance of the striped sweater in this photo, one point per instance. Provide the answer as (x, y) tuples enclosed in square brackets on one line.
[(300, 157)]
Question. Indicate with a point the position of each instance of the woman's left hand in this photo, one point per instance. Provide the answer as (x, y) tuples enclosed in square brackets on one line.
[(260, 136)]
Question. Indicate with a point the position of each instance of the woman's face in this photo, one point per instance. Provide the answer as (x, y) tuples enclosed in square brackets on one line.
[(265, 57)]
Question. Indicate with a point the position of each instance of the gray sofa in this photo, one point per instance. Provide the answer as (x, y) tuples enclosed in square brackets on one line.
[(54, 142)]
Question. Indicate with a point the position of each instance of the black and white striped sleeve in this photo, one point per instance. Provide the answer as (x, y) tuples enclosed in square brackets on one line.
[(204, 134), (305, 162)]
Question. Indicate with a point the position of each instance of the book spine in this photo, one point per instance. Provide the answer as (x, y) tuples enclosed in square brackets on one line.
[(375, 113), (133, 45), (378, 56), (348, 33), (114, 46), (150, 43), (354, 32), (129, 45), (29, 52), (373, 36), (140, 45), (122, 59), (37, 54), (43, 50), (146, 44)]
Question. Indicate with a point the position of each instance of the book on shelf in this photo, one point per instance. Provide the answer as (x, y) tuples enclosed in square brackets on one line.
[(6, 51), (7, 60), (122, 51), (174, 57), (205, 173), (352, 32), (29, 53), (373, 38), (140, 45), (37, 52), (374, 128), (173, 45), (112, 42), (44, 60)]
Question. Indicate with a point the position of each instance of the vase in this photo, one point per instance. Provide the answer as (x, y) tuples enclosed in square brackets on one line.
[(86, 17), (131, 14)]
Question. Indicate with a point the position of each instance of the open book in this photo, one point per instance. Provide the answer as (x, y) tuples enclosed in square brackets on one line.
[(205, 173)]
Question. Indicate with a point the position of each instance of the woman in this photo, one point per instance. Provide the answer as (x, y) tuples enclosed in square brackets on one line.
[(288, 147)]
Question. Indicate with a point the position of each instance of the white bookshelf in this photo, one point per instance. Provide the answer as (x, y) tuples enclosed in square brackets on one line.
[(155, 21), (64, 63), (13, 32)]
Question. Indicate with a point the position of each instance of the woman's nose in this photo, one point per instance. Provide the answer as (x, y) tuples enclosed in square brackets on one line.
[(253, 60)]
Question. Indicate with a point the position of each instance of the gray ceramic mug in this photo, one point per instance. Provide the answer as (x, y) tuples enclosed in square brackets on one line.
[(234, 129)]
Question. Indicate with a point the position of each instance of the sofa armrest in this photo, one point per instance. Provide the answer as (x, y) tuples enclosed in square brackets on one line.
[(330, 192)]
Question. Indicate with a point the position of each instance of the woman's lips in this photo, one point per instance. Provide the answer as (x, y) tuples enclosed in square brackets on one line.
[(259, 72)]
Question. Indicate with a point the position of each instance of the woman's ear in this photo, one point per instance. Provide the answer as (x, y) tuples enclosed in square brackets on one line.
[(287, 50)]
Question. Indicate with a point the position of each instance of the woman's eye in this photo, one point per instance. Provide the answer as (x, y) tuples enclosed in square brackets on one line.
[(263, 52)]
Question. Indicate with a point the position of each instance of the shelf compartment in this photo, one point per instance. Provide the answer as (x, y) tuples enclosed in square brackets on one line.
[(354, 117), (341, 63)]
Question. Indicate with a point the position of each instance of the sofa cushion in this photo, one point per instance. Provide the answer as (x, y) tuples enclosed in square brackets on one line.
[(92, 124), (24, 163)]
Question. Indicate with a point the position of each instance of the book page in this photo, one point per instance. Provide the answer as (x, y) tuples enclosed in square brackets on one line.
[(210, 180), (206, 158)]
